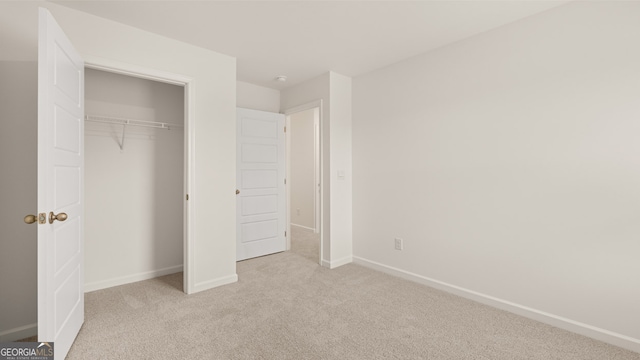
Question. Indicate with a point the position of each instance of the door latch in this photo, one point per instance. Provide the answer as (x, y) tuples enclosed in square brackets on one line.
[(41, 219)]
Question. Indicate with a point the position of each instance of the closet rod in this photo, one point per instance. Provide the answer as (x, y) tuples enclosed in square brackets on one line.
[(132, 122)]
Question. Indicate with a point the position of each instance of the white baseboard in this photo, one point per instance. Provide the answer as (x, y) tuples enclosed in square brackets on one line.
[(336, 263), (19, 333), (104, 284), (206, 285), (607, 336), (304, 227)]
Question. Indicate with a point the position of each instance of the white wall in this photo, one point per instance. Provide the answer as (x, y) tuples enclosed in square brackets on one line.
[(250, 96), (335, 141), (134, 196), (302, 179), (341, 169), (509, 163), (18, 155), (214, 93)]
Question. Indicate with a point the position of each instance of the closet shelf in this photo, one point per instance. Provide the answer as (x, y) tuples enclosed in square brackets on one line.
[(131, 122)]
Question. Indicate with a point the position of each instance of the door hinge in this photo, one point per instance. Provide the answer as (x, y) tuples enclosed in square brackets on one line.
[(285, 181), (285, 234), (285, 129), (187, 197)]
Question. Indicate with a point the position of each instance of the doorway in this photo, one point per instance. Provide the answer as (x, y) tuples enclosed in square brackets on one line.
[(186, 172), (304, 193), (134, 161)]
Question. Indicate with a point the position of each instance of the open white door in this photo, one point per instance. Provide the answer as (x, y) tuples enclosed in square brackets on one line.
[(60, 187), (260, 180)]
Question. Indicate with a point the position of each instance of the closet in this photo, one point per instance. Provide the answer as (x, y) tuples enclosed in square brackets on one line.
[(134, 174)]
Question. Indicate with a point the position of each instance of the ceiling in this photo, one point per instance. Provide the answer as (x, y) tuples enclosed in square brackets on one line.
[(303, 39)]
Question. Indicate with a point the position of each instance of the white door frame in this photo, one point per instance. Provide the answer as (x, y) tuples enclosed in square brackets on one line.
[(117, 67), (318, 166)]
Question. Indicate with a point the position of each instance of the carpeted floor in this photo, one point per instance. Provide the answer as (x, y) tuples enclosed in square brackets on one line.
[(285, 306), (305, 243)]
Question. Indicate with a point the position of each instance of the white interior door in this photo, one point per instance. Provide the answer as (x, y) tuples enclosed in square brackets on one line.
[(60, 187), (260, 180)]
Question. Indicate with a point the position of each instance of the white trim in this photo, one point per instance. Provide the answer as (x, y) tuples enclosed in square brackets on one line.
[(303, 227), (188, 252), (99, 63), (336, 263), (308, 106), (19, 333), (143, 72), (316, 170), (104, 284), (287, 185), (538, 315), (319, 227), (207, 285)]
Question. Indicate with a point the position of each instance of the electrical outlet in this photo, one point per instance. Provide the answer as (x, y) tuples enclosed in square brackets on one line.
[(399, 244)]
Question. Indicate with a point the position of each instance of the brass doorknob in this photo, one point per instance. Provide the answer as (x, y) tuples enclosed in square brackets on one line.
[(59, 217), (30, 219), (237, 191)]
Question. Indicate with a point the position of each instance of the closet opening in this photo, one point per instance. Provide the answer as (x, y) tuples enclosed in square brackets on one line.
[(135, 180)]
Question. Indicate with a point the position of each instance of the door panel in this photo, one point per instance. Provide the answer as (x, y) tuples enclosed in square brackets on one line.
[(260, 179), (60, 187), (66, 239), (260, 153), (256, 205), (259, 230), (66, 180), (259, 128)]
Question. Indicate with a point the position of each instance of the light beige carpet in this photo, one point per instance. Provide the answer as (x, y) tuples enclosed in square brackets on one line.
[(285, 306)]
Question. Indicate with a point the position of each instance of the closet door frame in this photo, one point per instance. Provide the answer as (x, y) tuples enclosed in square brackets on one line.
[(111, 66)]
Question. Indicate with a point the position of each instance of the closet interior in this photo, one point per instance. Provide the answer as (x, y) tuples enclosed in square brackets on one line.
[(134, 179)]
